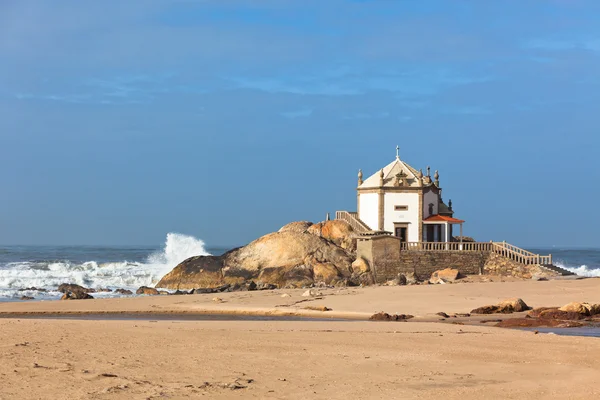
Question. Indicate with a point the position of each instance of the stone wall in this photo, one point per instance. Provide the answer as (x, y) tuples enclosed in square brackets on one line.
[(498, 265), (424, 263), (387, 261)]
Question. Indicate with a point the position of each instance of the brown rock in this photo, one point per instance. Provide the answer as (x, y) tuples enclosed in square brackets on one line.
[(504, 307), (124, 291), (360, 266), (579, 308), (336, 231), (76, 295), (445, 275), (562, 315), (71, 287), (325, 272), (27, 298), (381, 316), (285, 259), (513, 305), (147, 290), (298, 227), (536, 312), (443, 315)]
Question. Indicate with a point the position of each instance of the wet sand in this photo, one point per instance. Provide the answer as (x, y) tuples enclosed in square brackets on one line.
[(130, 359)]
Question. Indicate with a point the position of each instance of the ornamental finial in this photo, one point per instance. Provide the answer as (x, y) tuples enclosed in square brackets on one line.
[(360, 177), (398, 152), (437, 178)]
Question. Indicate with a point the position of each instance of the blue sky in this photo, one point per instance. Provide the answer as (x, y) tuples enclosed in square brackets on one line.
[(123, 121)]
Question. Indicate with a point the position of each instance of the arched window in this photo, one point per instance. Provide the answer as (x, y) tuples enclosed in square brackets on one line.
[(430, 209)]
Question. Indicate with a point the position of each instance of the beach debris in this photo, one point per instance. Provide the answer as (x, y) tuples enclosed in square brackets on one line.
[(462, 315), (443, 314), (147, 291), (381, 316), (486, 321), (504, 307), (312, 293), (217, 300), (76, 295), (27, 298), (124, 291), (447, 275), (286, 295), (106, 375), (317, 308)]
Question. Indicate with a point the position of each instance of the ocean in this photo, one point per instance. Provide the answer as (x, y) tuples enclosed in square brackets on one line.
[(129, 267), (112, 267)]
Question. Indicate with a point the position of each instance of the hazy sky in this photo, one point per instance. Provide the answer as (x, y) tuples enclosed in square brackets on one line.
[(121, 121)]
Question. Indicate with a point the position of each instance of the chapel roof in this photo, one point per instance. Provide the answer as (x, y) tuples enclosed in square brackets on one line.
[(389, 175)]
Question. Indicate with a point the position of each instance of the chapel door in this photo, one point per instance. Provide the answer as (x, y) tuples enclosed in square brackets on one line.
[(401, 232)]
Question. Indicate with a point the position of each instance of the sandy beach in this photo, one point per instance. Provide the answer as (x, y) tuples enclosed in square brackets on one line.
[(131, 359)]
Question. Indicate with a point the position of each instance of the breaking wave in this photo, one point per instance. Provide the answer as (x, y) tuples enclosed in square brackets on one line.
[(582, 270), (125, 274)]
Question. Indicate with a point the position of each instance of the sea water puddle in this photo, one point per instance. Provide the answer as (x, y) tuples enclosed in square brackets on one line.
[(167, 317), (583, 331)]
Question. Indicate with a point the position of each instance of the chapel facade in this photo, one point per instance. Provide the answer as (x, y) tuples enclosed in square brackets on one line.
[(405, 202)]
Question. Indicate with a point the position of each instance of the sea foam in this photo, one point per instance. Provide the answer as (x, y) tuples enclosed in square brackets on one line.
[(124, 274), (582, 270)]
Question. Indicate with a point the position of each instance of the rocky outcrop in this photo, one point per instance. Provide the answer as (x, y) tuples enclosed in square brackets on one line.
[(504, 307), (568, 316), (336, 231), (298, 227), (299, 255), (147, 291)]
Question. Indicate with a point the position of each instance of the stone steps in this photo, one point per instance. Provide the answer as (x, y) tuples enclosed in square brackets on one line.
[(560, 270)]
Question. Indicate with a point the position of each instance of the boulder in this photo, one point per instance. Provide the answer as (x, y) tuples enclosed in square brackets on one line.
[(298, 227), (336, 231), (76, 295), (27, 298), (124, 291), (147, 290), (312, 293), (360, 266), (445, 275), (579, 308), (514, 305), (505, 307), (381, 316), (71, 287), (283, 259)]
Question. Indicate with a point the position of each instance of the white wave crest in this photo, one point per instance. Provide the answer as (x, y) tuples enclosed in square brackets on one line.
[(582, 270), (127, 275)]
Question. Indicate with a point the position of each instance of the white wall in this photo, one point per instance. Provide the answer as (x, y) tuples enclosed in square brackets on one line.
[(412, 216), (369, 209), (428, 198)]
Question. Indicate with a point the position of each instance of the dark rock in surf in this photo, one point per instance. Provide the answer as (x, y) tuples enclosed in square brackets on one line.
[(72, 287)]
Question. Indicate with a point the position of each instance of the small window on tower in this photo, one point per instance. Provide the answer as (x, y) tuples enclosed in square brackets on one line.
[(400, 208)]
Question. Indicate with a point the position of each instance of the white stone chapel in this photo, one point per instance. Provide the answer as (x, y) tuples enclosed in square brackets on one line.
[(404, 202)]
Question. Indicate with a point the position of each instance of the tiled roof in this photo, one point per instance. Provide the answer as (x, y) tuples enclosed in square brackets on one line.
[(443, 218)]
